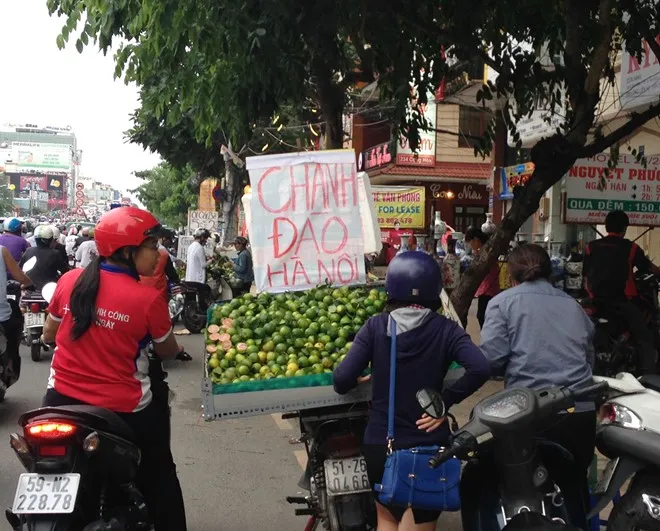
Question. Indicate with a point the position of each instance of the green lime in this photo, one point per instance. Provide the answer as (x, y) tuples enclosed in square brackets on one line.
[(281, 348)]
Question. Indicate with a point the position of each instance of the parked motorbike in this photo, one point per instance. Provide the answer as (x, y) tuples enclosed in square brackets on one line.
[(528, 497), (340, 497), (629, 435), (614, 345), (198, 297)]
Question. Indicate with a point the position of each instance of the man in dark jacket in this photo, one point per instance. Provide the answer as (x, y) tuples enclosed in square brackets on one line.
[(609, 265)]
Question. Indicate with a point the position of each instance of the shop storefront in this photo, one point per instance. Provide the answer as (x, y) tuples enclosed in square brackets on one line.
[(460, 205)]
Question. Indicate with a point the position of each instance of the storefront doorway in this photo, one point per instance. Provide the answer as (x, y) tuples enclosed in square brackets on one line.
[(468, 216)]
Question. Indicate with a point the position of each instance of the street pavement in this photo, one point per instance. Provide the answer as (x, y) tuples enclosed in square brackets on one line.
[(235, 474)]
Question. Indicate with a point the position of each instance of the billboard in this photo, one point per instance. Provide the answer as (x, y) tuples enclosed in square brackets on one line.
[(593, 189), (39, 157), (425, 154), (402, 204), (639, 79)]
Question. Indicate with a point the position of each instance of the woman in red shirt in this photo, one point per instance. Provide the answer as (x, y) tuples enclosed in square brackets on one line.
[(393, 242), (490, 286), (102, 320)]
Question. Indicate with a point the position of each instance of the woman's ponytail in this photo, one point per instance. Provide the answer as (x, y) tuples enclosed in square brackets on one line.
[(83, 298)]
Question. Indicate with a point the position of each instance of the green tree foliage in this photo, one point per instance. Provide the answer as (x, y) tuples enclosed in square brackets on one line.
[(235, 63), (6, 196), (168, 193)]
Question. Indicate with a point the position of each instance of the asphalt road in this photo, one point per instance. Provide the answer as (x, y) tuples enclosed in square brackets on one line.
[(235, 474)]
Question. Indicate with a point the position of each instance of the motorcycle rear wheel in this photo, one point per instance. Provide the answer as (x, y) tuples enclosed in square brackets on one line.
[(35, 351)]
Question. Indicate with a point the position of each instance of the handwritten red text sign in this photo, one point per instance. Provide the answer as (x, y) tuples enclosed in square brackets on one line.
[(305, 217)]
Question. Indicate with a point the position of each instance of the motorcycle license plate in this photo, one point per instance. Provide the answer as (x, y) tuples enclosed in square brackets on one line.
[(604, 481), (346, 476), (46, 493), (34, 319)]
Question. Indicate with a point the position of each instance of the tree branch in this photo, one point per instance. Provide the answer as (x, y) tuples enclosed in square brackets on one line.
[(573, 53), (636, 121), (602, 51), (632, 10)]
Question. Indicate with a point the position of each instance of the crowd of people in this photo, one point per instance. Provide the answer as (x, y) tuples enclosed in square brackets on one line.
[(533, 335)]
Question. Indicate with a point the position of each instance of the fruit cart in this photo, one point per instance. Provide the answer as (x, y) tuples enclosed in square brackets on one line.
[(275, 353)]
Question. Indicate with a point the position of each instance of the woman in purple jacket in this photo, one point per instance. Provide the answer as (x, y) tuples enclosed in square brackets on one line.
[(427, 345)]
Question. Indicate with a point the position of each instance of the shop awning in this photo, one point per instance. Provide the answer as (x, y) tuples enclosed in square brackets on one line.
[(467, 172)]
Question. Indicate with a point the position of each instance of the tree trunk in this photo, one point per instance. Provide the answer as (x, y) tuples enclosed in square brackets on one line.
[(331, 100), (334, 129), (228, 205), (552, 161)]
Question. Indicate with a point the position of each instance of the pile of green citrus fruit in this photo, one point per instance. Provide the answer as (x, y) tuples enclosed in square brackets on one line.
[(288, 335)]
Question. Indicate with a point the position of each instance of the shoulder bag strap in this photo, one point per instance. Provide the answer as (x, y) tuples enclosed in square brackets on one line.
[(390, 406)]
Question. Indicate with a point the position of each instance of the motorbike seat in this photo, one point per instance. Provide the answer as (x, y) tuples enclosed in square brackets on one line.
[(95, 417), (651, 381), (615, 441)]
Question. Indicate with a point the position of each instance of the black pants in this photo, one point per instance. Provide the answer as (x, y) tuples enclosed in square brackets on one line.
[(157, 479), (576, 433), (634, 318), (482, 304), (13, 329)]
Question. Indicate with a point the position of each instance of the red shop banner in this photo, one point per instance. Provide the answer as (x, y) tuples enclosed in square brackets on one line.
[(34, 182)]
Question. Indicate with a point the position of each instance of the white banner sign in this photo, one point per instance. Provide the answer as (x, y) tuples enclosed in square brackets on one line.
[(184, 245), (202, 219), (306, 227), (425, 154), (640, 80), (40, 157), (629, 187)]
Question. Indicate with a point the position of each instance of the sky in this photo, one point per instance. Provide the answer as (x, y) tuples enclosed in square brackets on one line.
[(44, 85)]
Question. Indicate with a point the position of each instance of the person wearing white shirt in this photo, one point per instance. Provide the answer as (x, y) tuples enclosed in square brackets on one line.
[(87, 251), (70, 240), (196, 260)]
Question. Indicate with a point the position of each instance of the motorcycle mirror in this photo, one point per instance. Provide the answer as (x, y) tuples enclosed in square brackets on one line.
[(431, 402), (29, 264), (48, 291)]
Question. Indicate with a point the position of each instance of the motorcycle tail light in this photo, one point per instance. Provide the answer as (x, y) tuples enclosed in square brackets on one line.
[(35, 307), (50, 430), (619, 415), (52, 451)]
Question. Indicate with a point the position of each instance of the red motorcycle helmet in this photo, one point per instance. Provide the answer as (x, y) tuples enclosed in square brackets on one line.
[(125, 227)]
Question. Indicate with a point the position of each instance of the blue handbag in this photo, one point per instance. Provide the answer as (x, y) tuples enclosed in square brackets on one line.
[(408, 480)]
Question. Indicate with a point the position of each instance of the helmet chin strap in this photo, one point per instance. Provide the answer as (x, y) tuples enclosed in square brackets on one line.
[(129, 262)]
